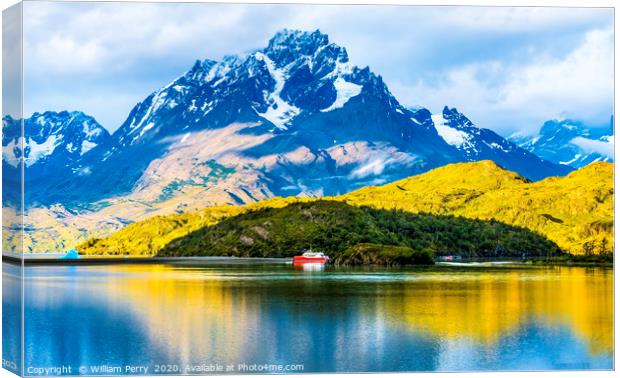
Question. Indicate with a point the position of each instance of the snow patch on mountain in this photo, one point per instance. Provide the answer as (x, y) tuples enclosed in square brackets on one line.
[(279, 112), (185, 138), (35, 151), (454, 137), (11, 153), (577, 157), (344, 92), (371, 160), (157, 101), (91, 131), (87, 146), (146, 128), (497, 146)]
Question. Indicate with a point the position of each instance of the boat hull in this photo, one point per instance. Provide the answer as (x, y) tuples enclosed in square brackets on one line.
[(315, 260)]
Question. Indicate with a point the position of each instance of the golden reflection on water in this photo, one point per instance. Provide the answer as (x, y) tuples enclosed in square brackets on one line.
[(178, 307), (175, 304), (487, 306), (584, 298)]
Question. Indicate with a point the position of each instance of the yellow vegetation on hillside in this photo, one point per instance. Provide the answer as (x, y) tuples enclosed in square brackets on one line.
[(575, 211), (146, 238)]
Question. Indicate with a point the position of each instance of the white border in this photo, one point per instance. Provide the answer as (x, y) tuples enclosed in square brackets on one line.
[(507, 3)]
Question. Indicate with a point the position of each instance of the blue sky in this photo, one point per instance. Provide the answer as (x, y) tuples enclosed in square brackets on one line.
[(508, 69)]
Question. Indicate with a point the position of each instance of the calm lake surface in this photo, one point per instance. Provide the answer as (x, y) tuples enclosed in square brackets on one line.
[(179, 319)]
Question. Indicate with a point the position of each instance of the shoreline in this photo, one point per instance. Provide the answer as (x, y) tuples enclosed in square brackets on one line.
[(32, 260), (104, 260)]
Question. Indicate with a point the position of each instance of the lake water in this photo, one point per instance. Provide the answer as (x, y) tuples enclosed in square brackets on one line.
[(252, 317)]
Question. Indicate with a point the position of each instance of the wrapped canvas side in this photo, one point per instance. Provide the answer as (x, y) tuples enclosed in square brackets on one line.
[(12, 191)]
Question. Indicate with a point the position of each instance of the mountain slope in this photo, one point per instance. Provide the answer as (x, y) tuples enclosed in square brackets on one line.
[(484, 144), (576, 212), (147, 237), (570, 143)]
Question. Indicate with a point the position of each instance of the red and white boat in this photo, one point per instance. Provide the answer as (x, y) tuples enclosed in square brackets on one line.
[(311, 257)]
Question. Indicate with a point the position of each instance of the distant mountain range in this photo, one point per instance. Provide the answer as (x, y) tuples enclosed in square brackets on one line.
[(294, 118), (483, 144), (569, 142)]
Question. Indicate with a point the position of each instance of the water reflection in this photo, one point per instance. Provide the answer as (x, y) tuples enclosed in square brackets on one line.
[(309, 267), (490, 304), (328, 320), (11, 317)]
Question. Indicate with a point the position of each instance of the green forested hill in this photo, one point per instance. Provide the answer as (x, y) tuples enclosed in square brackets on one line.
[(575, 212), (337, 229)]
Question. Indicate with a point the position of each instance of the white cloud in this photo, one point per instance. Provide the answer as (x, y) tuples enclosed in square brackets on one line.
[(506, 97), (597, 146), (499, 65), (373, 167), (89, 37), (514, 19), (377, 161)]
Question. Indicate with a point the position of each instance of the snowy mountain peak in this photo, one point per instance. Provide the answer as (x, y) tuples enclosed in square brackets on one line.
[(570, 142), (297, 48), (287, 45), (200, 70), (455, 118), (299, 72), (563, 129), (66, 135), (451, 133), (483, 144)]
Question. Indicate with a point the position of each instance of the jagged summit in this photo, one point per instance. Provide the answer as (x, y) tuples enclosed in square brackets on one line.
[(285, 47), (299, 73), (298, 40), (288, 45), (456, 118), (563, 129), (200, 70)]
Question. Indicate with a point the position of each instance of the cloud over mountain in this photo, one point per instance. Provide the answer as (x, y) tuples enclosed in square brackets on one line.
[(504, 58)]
